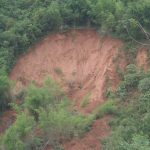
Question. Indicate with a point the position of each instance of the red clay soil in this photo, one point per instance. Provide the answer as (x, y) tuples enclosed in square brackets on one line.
[(6, 119), (142, 58), (91, 141), (81, 61)]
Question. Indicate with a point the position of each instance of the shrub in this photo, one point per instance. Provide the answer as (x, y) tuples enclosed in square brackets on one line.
[(132, 76), (85, 100), (108, 107), (5, 94), (109, 93), (132, 80), (51, 109), (132, 116), (20, 135), (139, 142), (144, 85), (38, 97), (131, 69), (121, 91), (58, 124)]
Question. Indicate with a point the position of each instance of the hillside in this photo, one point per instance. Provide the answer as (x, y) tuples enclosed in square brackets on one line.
[(80, 60), (74, 75)]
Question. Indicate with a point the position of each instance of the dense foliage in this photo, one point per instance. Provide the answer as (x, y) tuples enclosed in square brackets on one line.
[(131, 128), (44, 118), (5, 92)]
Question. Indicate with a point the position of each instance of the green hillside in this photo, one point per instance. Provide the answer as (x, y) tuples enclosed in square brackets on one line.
[(24, 22)]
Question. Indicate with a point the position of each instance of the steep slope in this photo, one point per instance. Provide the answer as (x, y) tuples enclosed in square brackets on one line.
[(91, 141), (142, 58), (82, 62), (79, 59)]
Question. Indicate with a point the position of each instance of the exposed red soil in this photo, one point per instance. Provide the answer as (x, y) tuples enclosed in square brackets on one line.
[(79, 59), (91, 141), (142, 58), (6, 119), (82, 62)]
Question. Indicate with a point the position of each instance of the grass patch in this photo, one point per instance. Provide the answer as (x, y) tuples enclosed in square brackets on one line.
[(85, 100)]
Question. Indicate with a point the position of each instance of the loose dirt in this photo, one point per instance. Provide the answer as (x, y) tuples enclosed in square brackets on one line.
[(142, 58), (83, 62)]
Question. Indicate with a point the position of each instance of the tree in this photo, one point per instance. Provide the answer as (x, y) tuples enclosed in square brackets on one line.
[(144, 85), (5, 95), (21, 135)]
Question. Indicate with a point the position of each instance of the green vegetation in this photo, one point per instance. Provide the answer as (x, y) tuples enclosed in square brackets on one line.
[(44, 118), (108, 108), (85, 100), (5, 94), (131, 123), (23, 22), (20, 135)]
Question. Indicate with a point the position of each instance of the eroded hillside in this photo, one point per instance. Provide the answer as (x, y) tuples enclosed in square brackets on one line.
[(83, 62), (80, 60)]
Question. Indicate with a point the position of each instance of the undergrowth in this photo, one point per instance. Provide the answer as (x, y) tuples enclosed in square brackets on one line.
[(108, 108), (45, 118), (130, 126)]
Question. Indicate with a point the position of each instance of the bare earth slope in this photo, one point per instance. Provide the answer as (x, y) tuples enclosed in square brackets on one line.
[(81, 61), (142, 58)]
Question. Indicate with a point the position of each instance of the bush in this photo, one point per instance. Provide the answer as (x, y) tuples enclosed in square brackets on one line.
[(132, 116), (85, 100), (58, 124), (132, 76), (38, 97), (144, 85), (5, 94), (53, 122), (130, 81), (122, 91), (20, 135), (139, 142), (108, 107), (131, 69)]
